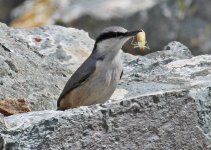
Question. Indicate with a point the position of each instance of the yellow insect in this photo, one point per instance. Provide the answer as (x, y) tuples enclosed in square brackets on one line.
[(141, 41)]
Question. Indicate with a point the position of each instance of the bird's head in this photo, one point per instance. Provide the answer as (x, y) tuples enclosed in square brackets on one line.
[(112, 39)]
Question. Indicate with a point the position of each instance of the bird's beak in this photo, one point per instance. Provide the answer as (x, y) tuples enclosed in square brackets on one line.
[(132, 33)]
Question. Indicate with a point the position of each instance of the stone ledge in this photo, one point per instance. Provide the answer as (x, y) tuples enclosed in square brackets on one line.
[(162, 121)]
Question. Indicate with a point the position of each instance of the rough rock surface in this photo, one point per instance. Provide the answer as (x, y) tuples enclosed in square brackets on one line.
[(162, 102), (171, 69), (36, 63), (162, 121), (69, 46)]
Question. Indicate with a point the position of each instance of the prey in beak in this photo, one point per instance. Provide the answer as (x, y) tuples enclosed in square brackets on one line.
[(140, 39)]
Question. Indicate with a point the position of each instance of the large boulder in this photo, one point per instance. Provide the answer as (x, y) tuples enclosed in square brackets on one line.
[(168, 120), (36, 63)]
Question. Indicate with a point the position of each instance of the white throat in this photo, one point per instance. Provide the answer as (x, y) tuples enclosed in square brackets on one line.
[(109, 48)]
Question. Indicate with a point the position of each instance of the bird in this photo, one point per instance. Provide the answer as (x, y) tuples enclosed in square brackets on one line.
[(96, 79)]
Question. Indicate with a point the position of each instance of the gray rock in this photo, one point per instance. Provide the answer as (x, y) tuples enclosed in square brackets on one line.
[(67, 45), (162, 121), (36, 63), (203, 103), (166, 70)]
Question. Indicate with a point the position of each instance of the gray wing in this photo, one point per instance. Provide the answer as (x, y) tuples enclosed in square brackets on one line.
[(81, 74)]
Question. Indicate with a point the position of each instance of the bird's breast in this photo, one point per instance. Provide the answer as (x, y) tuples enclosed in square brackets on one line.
[(105, 79), (109, 70)]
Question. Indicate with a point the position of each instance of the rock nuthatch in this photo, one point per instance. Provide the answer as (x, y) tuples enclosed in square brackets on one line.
[(96, 79)]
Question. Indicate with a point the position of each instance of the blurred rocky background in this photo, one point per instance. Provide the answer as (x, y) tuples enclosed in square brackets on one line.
[(6, 8), (187, 21)]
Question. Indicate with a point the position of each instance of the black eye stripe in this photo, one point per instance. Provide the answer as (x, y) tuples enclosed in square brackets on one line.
[(109, 35)]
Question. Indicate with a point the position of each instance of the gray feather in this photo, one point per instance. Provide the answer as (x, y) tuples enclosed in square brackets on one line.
[(81, 74)]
